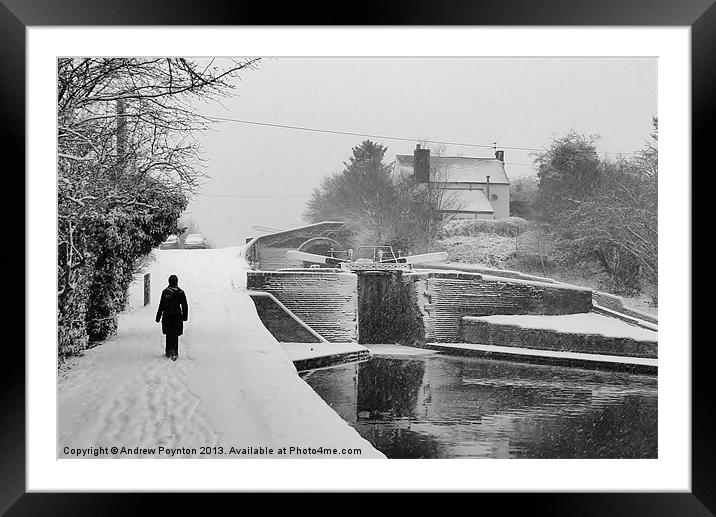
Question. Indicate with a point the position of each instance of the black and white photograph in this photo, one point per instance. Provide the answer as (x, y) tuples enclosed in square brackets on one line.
[(357, 257), (276, 251), (260, 250)]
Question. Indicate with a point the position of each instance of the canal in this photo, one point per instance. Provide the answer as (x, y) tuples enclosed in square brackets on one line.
[(414, 403)]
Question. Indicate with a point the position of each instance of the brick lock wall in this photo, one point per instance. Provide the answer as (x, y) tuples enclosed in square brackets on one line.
[(281, 326), (615, 303), (409, 307), (444, 298), (272, 258), (326, 302), (487, 333)]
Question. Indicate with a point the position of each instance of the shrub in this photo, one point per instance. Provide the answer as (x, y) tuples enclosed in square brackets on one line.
[(507, 227)]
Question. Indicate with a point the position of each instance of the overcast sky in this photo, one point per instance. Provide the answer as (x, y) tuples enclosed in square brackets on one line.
[(263, 175)]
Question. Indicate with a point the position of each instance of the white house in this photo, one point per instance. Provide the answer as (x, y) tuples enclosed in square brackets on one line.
[(476, 188)]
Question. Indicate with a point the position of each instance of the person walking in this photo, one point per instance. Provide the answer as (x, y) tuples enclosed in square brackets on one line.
[(173, 312)]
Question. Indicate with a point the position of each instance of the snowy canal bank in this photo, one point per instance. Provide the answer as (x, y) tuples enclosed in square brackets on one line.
[(233, 385)]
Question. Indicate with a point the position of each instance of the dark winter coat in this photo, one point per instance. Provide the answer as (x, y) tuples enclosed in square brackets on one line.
[(173, 311)]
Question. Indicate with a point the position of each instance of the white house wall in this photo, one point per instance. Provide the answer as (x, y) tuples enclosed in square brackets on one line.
[(501, 205)]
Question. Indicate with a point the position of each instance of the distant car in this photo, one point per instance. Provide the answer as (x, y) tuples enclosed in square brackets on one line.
[(194, 241), (171, 243)]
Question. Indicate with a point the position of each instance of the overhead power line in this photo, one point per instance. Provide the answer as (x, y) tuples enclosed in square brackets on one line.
[(493, 145), (257, 196), (348, 133)]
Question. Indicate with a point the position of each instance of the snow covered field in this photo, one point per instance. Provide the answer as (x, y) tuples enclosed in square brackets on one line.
[(232, 386)]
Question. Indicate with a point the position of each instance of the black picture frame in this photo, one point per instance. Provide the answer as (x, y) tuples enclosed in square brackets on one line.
[(17, 15)]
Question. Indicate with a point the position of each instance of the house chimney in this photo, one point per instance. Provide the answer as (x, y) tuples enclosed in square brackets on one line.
[(500, 155), (422, 164)]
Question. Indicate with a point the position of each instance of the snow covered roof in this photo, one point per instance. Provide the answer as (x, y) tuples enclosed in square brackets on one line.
[(456, 169), (467, 201)]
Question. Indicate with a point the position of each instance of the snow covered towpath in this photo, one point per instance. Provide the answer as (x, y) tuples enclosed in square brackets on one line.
[(232, 385)]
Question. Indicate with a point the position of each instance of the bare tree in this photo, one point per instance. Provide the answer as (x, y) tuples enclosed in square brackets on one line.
[(127, 160), (618, 222), (620, 226), (124, 127), (425, 208)]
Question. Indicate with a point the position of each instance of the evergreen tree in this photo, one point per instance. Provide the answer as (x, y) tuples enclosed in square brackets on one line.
[(568, 172), (362, 195)]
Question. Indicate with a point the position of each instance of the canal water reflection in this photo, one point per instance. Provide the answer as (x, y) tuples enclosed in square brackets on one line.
[(437, 406)]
